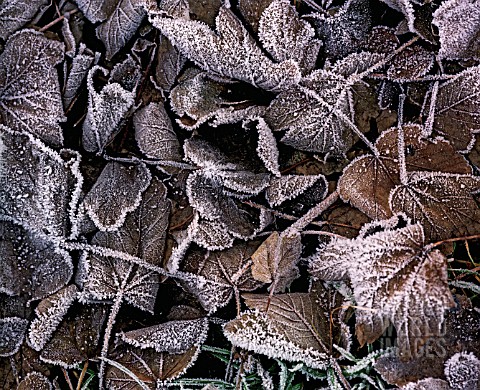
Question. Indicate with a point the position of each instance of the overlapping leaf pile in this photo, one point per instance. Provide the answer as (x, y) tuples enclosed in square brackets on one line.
[(286, 170)]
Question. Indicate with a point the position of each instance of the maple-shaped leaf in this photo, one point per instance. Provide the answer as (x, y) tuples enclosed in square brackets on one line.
[(286, 37), (49, 313), (77, 338), (12, 332), (442, 202), (214, 277), (154, 133), (35, 380), (15, 13), (31, 266), (117, 191), (275, 261), (229, 52), (292, 327), (456, 115), (394, 279), (29, 89), (287, 187), (106, 110), (367, 182), (458, 29), (81, 63), (36, 182)]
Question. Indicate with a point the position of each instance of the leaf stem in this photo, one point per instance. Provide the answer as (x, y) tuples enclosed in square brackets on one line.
[(314, 212), (82, 375), (429, 247), (401, 142), (67, 379), (59, 19)]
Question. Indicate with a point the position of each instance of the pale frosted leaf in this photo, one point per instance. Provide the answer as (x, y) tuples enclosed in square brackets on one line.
[(174, 337), (49, 313), (229, 52), (154, 133), (15, 13), (456, 109), (35, 183), (411, 63), (333, 264), (442, 202), (346, 31), (428, 384), (275, 261), (244, 182), (212, 235), (356, 63), (31, 266), (123, 17), (204, 154), (35, 380), (106, 110), (176, 8), (96, 10), (80, 65), (169, 63), (267, 148), (77, 338), (117, 191), (458, 23), (286, 37), (126, 73), (252, 10), (287, 187), (29, 88), (463, 371), (12, 332)]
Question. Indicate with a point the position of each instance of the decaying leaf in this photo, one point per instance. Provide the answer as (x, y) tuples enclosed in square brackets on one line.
[(267, 147), (106, 110), (117, 191), (413, 62), (15, 13), (127, 73), (30, 97), (31, 266), (81, 63), (12, 332), (35, 380), (394, 280), (458, 23), (252, 10), (288, 187), (230, 52), (154, 133)]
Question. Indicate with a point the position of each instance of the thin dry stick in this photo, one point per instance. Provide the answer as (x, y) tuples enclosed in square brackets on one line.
[(313, 213), (82, 375), (67, 378), (59, 19), (433, 245)]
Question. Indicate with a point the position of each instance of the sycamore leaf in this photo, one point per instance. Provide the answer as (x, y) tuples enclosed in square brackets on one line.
[(12, 332), (154, 133), (117, 191), (15, 13), (442, 202), (292, 327), (458, 28), (456, 114), (106, 110), (394, 280), (252, 10), (287, 187), (29, 89), (214, 277), (31, 265), (230, 52), (49, 313), (77, 338), (367, 182), (35, 380), (35, 183), (275, 261), (286, 37)]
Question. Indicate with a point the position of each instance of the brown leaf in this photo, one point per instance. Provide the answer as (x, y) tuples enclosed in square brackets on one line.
[(35, 380)]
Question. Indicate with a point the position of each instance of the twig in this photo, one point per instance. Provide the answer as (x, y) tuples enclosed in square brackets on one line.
[(322, 233), (59, 19), (67, 378), (429, 247), (82, 375), (313, 213)]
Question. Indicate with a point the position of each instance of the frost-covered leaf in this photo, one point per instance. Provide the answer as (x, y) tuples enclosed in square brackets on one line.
[(212, 235), (15, 13), (267, 148), (244, 182), (205, 155), (126, 73), (287, 187), (12, 331), (117, 191), (106, 110), (35, 380), (29, 89), (49, 313), (458, 23), (229, 52), (367, 182), (177, 8), (410, 63), (169, 64), (456, 113), (346, 31), (463, 371), (394, 280), (428, 384), (275, 261), (252, 10), (35, 183), (77, 338), (80, 65), (213, 277), (154, 133), (292, 327), (287, 37), (31, 265), (442, 202)]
